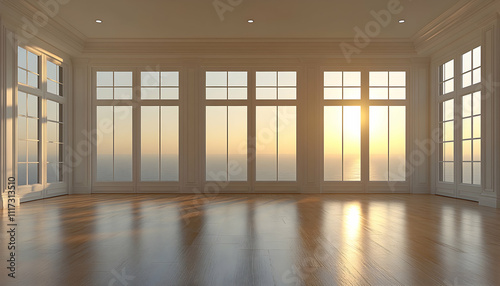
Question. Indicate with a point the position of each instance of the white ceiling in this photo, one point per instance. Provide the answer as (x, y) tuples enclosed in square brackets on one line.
[(273, 18)]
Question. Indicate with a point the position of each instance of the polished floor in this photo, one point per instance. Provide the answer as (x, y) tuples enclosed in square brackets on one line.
[(254, 240)]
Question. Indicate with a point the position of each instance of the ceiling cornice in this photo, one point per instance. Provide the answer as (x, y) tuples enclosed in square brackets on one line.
[(55, 32), (455, 22), (245, 47)]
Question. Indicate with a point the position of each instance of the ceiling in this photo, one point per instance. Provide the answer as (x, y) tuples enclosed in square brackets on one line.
[(273, 18)]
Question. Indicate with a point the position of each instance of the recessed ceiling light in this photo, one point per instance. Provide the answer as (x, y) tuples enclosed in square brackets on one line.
[(401, 21), (250, 21), (98, 21)]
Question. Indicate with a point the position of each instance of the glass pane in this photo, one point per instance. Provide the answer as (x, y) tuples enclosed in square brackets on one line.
[(266, 93), (287, 147), (379, 143), (352, 143), (466, 150), (21, 128), (397, 78), (266, 129), (32, 80), (104, 93), (216, 93), (448, 110), (52, 173), (52, 153), (449, 172), (123, 143), (123, 93), (170, 143), (53, 111), (476, 151), (476, 97), (104, 143), (52, 71), (21, 103), (287, 93), (449, 130), (237, 143), (449, 152), (33, 152), (32, 105), (467, 173), (448, 70), (123, 78), (449, 86), (476, 76), (150, 143), (379, 78), (352, 78), (32, 62), (397, 93), (287, 78), (397, 143), (379, 93), (467, 79), (467, 61), (237, 79), (333, 143), (333, 79), (476, 120), (466, 128), (53, 132), (216, 143), (32, 174), (170, 78), (333, 93), (32, 129), (170, 93), (266, 79), (105, 79), (21, 57), (22, 179), (467, 105), (22, 155), (352, 93), (216, 78), (476, 173), (476, 58), (150, 78), (22, 76), (237, 93), (150, 93)]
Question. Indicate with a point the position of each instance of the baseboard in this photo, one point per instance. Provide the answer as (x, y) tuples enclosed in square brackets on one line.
[(488, 199)]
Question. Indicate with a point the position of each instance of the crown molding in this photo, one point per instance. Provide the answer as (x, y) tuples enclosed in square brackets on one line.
[(55, 32), (457, 21), (256, 47)]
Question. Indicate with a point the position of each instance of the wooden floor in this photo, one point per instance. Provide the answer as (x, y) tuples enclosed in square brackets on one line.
[(254, 240)]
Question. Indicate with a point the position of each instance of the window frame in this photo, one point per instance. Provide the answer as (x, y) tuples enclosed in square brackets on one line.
[(43, 188), (365, 185), (136, 185)]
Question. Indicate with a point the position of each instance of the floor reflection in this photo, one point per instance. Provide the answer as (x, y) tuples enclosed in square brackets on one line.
[(256, 240)]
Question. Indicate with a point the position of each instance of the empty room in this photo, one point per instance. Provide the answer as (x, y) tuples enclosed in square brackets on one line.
[(249, 142)]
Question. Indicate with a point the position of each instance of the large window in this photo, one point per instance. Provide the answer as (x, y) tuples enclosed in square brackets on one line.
[(382, 107), (157, 118), (226, 126), (40, 119), (342, 126), (460, 119), (114, 121), (160, 126), (276, 125)]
